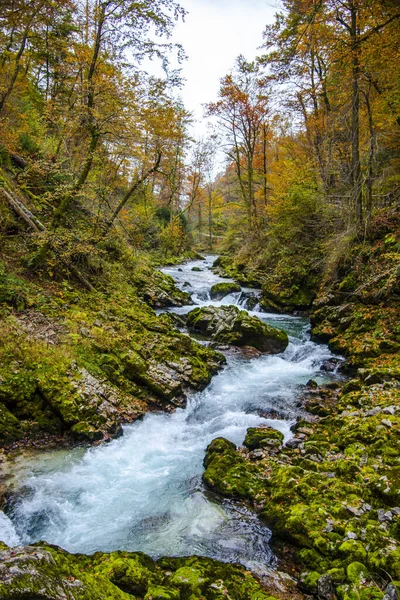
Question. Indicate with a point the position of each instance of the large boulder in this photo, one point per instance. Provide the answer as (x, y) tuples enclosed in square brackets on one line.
[(220, 290), (229, 325)]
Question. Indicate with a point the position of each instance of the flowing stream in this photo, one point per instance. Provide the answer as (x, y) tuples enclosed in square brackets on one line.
[(143, 491)]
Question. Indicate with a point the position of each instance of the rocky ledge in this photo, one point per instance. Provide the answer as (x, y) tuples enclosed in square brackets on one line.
[(48, 573), (85, 363), (229, 325)]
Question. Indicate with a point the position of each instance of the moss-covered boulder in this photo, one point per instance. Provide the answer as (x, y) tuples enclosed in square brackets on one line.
[(220, 290), (158, 289), (229, 325), (228, 473), (263, 437), (43, 572)]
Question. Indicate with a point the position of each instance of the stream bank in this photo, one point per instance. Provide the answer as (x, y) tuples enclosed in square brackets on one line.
[(333, 493)]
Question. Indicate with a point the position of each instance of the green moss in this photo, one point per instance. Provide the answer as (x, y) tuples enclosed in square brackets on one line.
[(310, 580), (228, 472), (44, 571), (262, 437), (162, 593), (10, 427), (220, 290), (357, 573), (229, 325)]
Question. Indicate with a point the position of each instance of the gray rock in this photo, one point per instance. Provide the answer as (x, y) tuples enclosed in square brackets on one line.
[(294, 443), (391, 593), (372, 412), (384, 515), (326, 588), (354, 511)]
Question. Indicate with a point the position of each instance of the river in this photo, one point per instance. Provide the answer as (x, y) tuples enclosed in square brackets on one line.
[(143, 491)]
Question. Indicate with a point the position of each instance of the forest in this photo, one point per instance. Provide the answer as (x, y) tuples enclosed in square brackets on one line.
[(221, 306)]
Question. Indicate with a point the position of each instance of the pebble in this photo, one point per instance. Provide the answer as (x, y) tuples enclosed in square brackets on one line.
[(387, 423), (294, 443), (372, 412), (256, 454), (350, 413), (351, 535), (354, 511), (389, 410), (384, 516), (391, 593)]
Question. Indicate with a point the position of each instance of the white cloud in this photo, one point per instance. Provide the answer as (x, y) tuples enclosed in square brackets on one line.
[(213, 35)]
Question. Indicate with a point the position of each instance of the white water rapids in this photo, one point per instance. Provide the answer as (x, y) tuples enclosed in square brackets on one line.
[(143, 491)]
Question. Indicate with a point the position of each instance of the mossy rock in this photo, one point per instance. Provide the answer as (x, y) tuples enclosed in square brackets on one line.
[(162, 593), (357, 573), (309, 581), (10, 427), (228, 473), (220, 290), (263, 437), (47, 573), (229, 325)]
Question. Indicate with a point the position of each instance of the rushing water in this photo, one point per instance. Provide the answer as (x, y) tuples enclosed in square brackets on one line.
[(143, 491)]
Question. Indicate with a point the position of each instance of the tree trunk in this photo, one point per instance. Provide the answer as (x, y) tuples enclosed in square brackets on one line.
[(265, 165), (210, 222), (371, 158), (16, 68), (355, 119)]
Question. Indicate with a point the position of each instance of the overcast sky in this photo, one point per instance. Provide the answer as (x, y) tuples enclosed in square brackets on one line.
[(214, 33)]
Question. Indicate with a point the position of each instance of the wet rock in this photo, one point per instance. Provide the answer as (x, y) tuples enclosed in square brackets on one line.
[(158, 289), (228, 473), (331, 365), (228, 324), (326, 588), (311, 384), (220, 290), (250, 352)]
